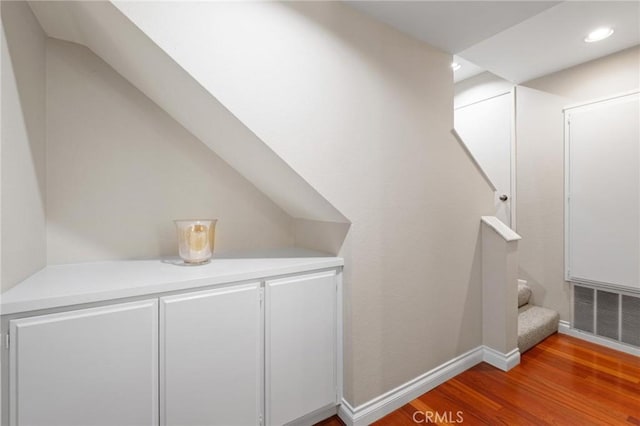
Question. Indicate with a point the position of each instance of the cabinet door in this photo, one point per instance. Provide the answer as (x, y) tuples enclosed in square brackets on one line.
[(300, 346), (210, 353), (95, 366)]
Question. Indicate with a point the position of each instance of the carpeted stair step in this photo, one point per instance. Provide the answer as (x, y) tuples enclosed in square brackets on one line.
[(524, 293), (535, 324)]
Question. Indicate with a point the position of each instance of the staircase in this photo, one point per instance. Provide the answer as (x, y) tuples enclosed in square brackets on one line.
[(534, 322)]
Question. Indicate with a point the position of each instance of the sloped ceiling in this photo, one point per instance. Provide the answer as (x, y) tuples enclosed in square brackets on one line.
[(467, 69), (452, 26), (516, 40), (554, 39), (107, 32)]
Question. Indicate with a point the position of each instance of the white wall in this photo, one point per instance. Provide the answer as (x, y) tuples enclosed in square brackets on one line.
[(23, 144), (539, 184), (540, 203), (478, 88), (363, 113), (540, 159), (483, 118), (611, 75), (540, 139), (120, 170), (101, 27)]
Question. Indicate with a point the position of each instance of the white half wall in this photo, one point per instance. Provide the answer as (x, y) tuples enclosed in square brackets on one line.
[(120, 169), (23, 148)]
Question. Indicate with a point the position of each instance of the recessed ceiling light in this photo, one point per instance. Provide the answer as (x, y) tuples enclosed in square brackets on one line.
[(455, 66), (599, 34)]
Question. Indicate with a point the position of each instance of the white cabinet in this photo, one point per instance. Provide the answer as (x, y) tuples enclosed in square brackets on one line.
[(300, 345), (210, 357), (262, 351), (95, 366)]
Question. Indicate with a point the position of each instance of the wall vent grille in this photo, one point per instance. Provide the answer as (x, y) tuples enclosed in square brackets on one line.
[(583, 304), (607, 313), (631, 320)]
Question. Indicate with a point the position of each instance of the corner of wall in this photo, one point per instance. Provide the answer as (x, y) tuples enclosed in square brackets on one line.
[(479, 87), (23, 181), (322, 236)]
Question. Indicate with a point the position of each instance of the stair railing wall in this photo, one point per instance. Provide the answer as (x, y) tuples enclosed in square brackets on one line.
[(500, 291)]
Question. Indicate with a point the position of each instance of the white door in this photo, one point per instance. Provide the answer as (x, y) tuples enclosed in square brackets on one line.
[(486, 128), (95, 366), (301, 342), (210, 357), (603, 192)]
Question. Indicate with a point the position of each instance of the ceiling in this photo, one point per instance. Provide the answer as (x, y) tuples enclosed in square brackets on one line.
[(516, 40)]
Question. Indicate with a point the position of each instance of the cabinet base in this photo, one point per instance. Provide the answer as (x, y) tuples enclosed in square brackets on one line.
[(315, 417)]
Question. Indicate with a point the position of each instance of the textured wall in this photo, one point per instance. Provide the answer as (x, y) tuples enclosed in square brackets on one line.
[(23, 148), (540, 165), (540, 159), (363, 113), (120, 170)]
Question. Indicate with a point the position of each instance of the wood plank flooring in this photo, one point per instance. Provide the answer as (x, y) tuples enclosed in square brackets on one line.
[(562, 381)]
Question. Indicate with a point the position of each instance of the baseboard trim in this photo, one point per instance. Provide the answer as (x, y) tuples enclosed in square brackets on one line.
[(504, 362), (379, 407), (565, 328)]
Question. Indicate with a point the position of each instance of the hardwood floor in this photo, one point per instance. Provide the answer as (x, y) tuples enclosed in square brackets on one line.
[(562, 381)]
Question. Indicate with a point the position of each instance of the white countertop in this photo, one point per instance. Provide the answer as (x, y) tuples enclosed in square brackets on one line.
[(65, 285)]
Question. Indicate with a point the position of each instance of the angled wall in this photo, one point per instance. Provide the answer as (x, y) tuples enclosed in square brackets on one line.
[(362, 113), (108, 33), (23, 149), (120, 169)]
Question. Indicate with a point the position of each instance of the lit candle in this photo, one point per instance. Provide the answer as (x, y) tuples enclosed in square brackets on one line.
[(198, 240)]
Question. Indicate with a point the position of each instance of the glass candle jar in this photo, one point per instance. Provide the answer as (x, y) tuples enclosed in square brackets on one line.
[(195, 239)]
